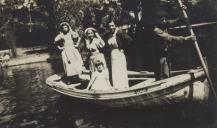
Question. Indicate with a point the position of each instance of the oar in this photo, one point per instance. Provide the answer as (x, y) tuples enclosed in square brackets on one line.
[(89, 86), (194, 25), (197, 48)]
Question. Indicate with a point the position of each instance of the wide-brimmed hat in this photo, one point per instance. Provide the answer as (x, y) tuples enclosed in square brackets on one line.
[(63, 23), (98, 62), (87, 29)]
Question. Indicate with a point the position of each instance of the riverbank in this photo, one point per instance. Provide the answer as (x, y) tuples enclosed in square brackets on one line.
[(28, 56)]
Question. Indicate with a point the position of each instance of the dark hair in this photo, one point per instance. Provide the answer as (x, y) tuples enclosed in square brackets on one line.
[(61, 26), (109, 21)]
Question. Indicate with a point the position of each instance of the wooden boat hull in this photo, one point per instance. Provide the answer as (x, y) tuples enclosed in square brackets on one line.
[(182, 88)]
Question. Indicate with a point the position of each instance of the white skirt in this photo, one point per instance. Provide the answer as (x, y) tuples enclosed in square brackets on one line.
[(119, 70), (101, 81), (72, 61)]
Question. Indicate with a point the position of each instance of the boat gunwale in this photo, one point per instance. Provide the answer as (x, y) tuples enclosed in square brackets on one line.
[(83, 94), (149, 95)]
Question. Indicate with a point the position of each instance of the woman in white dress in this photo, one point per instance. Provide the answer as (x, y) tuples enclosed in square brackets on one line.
[(94, 43), (117, 41), (66, 41), (100, 78)]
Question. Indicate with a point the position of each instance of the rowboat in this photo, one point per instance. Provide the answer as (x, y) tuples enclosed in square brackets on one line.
[(144, 91)]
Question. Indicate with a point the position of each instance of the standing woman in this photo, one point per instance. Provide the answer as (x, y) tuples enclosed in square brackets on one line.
[(66, 41), (117, 41), (94, 43)]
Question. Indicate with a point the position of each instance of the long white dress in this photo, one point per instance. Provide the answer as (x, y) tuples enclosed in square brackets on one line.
[(72, 61), (119, 65)]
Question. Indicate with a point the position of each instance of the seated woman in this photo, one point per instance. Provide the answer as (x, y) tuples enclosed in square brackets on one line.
[(72, 61), (100, 78), (94, 43)]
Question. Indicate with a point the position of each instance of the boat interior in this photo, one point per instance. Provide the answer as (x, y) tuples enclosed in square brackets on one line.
[(136, 79)]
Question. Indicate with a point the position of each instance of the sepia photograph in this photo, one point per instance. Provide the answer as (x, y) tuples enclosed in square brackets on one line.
[(108, 63)]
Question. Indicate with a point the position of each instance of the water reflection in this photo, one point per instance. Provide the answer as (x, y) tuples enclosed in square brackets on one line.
[(26, 101)]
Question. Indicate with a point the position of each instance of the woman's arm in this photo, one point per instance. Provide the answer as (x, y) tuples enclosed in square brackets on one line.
[(79, 40), (101, 41), (76, 44), (76, 39), (57, 41), (87, 43), (92, 80), (167, 37)]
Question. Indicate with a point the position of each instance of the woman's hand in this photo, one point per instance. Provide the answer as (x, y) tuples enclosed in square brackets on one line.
[(94, 30), (191, 38), (60, 48)]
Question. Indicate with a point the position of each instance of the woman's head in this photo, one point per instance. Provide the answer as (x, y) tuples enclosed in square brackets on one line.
[(99, 66), (111, 26), (90, 33), (64, 27)]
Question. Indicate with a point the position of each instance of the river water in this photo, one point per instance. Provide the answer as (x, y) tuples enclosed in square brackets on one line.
[(26, 102)]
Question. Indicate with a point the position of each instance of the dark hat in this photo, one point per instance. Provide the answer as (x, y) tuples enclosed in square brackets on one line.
[(89, 29)]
